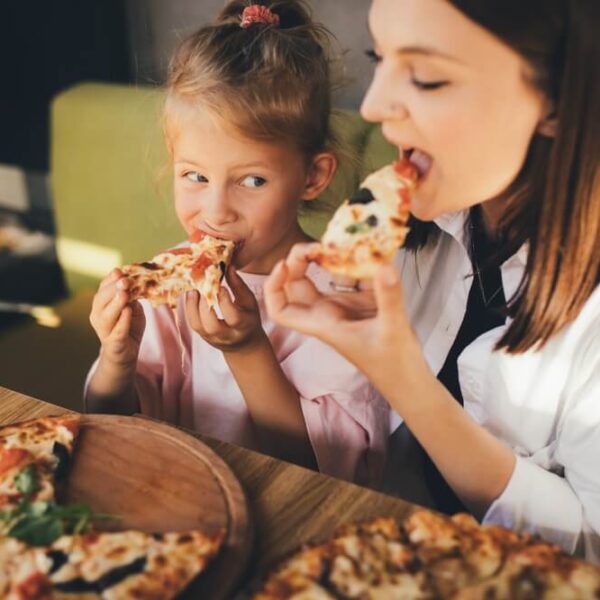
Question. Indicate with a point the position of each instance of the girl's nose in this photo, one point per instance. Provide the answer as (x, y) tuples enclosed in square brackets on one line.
[(217, 208), (382, 101)]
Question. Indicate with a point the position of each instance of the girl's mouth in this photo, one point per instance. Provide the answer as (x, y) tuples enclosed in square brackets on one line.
[(421, 161)]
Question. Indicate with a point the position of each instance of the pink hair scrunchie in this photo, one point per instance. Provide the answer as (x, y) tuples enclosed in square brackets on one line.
[(258, 13)]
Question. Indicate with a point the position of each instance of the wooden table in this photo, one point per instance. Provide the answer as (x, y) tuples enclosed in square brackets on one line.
[(289, 505)]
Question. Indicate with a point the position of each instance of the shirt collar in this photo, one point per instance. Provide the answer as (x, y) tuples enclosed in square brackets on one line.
[(454, 224)]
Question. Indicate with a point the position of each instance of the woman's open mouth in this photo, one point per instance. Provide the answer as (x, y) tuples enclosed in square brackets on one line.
[(421, 161)]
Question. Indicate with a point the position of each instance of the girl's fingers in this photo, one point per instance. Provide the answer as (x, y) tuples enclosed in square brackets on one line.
[(123, 324), (105, 319), (192, 311), (210, 322), (231, 313), (111, 278), (241, 292)]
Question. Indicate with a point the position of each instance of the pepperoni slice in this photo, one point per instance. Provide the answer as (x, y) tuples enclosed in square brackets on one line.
[(197, 235), (200, 265), (406, 169), (12, 457), (180, 251), (36, 587)]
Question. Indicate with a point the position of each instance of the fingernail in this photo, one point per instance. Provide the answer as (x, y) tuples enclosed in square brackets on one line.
[(121, 284)]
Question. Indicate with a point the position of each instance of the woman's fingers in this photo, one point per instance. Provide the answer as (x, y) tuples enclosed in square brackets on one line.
[(274, 288), (389, 297)]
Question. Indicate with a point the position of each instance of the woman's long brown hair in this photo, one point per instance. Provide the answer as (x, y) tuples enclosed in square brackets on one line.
[(554, 204)]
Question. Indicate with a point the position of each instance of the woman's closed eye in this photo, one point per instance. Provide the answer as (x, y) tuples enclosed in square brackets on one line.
[(253, 181), (428, 86), (195, 177)]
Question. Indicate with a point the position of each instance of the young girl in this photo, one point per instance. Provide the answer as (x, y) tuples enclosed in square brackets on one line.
[(247, 127), (496, 300)]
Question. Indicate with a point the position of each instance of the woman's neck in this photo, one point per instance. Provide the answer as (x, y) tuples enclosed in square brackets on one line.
[(491, 213)]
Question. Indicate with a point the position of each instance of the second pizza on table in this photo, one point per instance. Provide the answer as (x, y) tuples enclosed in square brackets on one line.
[(430, 557)]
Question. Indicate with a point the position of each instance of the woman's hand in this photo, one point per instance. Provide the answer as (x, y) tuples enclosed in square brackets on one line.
[(240, 328), (118, 324), (369, 327)]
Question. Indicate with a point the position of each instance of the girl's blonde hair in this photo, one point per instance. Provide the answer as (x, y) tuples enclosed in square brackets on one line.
[(268, 82)]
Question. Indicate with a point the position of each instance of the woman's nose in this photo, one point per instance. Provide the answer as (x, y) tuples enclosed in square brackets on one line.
[(382, 101)]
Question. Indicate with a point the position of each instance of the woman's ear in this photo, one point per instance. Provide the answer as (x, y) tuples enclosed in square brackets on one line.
[(549, 125), (320, 173)]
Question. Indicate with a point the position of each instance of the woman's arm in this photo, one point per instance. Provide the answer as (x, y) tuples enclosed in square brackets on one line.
[(272, 401), (385, 348)]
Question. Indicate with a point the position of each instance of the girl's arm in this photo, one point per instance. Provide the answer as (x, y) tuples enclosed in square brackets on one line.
[(119, 326), (111, 389), (272, 401)]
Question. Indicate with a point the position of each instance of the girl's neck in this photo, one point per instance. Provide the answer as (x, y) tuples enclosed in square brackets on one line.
[(265, 264)]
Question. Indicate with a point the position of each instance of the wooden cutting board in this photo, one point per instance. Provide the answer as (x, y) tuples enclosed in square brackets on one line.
[(156, 479)]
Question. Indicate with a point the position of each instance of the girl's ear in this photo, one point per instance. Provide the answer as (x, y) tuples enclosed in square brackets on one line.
[(320, 173)]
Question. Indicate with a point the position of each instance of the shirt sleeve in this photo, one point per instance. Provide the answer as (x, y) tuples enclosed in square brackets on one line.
[(562, 505), (346, 418)]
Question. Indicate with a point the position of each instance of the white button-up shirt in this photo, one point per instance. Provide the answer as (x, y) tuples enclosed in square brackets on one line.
[(544, 404)]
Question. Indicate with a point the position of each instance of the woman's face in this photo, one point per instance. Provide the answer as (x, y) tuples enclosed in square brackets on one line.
[(457, 96)]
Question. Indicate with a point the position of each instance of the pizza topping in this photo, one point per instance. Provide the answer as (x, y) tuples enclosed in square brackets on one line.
[(108, 580), (363, 196), (36, 587), (12, 457), (151, 266), (200, 265), (63, 458)]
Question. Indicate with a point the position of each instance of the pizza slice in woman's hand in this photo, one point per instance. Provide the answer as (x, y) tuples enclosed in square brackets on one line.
[(367, 230), (201, 266)]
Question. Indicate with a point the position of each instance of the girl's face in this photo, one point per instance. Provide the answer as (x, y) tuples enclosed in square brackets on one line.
[(239, 189), (456, 96)]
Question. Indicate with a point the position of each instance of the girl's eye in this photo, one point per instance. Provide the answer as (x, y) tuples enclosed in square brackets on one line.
[(195, 177), (253, 181), (428, 86), (373, 56)]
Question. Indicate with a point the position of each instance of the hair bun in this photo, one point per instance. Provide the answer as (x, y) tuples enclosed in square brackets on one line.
[(289, 13)]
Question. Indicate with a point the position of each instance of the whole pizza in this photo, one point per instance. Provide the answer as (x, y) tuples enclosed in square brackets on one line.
[(431, 556)]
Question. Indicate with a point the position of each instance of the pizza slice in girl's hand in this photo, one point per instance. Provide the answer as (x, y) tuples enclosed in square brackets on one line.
[(367, 230), (200, 266)]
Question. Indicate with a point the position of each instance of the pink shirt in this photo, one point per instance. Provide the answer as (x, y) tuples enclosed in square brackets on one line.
[(347, 420)]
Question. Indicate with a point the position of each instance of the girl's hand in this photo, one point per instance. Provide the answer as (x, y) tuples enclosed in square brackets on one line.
[(370, 328), (118, 324), (241, 326)]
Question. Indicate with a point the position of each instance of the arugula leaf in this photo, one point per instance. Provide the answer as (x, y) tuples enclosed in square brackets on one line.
[(38, 531), (40, 523), (26, 481)]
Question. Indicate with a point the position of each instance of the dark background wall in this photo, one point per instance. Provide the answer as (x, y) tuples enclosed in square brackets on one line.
[(45, 46)]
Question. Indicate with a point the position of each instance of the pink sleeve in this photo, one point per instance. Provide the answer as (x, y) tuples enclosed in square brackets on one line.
[(346, 418), (163, 367)]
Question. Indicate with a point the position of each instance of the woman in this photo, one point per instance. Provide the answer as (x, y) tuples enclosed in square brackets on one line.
[(495, 301)]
